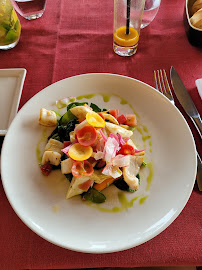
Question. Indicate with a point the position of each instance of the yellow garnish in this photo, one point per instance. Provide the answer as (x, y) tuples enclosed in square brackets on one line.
[(95, 120), (79, 152)]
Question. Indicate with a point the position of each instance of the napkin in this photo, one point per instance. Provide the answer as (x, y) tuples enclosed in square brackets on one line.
[(199, 86)]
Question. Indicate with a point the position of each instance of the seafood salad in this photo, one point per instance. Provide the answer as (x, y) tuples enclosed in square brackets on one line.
[(93, 148)]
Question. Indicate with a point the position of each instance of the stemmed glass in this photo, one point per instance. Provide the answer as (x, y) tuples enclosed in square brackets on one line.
[(150, 10)]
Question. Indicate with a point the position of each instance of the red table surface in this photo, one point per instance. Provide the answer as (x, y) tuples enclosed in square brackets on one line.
[(75, 37)]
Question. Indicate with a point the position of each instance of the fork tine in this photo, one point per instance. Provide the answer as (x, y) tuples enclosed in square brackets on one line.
[(159, 80), (162, 82), (166, 83), (155, 80)]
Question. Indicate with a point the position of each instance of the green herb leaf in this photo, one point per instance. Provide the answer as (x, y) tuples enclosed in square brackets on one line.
[(93, 195), (95, 107), (144, 164), (122, 185), (74, 104), (69, 177), (68, 116)]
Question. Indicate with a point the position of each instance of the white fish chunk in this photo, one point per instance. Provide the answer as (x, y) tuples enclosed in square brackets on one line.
[(77, 186), (55, 146), (130, 172), (52, 157), (72, 136), (66, 166), (110, 118), (112, 128), (81, 111), (47, 118)]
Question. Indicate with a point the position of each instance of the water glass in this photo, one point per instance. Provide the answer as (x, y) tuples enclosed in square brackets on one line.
[(30, 9), (150, 10), (127, 22), (10, 27)]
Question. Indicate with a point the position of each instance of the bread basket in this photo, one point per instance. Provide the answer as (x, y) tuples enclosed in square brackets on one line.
[(194, 34)]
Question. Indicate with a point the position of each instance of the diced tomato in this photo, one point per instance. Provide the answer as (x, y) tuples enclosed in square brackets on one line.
[(121, 119), (92, 160), (87, 135), (67, 143), (46, 169), (127, 149), (100, 164), (131, 120), (101, 114), (114, 113), (86, 185), (82, 168)]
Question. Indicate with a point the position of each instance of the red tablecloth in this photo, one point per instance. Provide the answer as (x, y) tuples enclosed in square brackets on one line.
[(75, 37)]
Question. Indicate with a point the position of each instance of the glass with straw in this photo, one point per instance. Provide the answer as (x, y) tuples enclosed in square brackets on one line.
[(127, 23)]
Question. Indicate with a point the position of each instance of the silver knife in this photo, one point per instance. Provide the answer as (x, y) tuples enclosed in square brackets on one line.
[(185, 100), (189, 107)]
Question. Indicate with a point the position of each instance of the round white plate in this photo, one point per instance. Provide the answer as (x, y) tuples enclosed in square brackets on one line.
[(40, 201)]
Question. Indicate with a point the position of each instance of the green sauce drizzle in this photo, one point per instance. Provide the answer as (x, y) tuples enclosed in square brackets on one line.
[(143, 199), (146, 137), (42, 139), (125, 204), (150, 176), (86, 96)]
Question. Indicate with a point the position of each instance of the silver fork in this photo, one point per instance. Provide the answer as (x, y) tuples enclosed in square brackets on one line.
[(162, 85)]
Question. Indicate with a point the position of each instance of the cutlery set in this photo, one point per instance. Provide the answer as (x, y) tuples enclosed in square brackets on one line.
[(162, 85)]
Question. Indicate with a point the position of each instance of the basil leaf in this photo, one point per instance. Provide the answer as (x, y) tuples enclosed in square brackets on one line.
[(122, 185), (95, 107), (68, 116), (74, 104), (69, 177), (93, 195)]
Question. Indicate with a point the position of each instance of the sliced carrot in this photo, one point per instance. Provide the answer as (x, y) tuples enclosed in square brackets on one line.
[(105, 183)]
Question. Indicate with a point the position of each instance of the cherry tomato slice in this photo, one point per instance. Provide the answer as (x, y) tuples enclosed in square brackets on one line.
[(82, 168), (131, 120), (87, 135), (46, 169), (127, 149), (114, 113), (121, 119)]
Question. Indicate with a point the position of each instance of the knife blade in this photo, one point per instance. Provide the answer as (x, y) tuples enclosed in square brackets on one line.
[(189, 107), (185, 100), (199, 172)]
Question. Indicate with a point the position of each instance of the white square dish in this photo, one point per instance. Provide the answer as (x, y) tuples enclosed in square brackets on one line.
[(11, 84)]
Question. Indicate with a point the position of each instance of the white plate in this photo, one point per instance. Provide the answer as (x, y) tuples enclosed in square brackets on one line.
[(40, 202), (11, 84)]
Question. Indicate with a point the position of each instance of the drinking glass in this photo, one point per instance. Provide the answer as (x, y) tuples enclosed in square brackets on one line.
[(127, 22), (30, 9), (10, 27), (150, 10)]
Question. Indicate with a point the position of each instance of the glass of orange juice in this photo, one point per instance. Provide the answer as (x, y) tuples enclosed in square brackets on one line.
[(127, 23)]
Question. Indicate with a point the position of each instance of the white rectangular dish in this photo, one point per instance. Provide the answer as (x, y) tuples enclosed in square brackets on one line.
[(11, 84)]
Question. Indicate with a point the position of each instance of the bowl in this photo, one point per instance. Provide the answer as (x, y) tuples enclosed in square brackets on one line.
[(166, 182), (194, 34)]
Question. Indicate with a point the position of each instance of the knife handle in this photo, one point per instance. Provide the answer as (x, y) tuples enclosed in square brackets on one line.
[(198, 124)]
